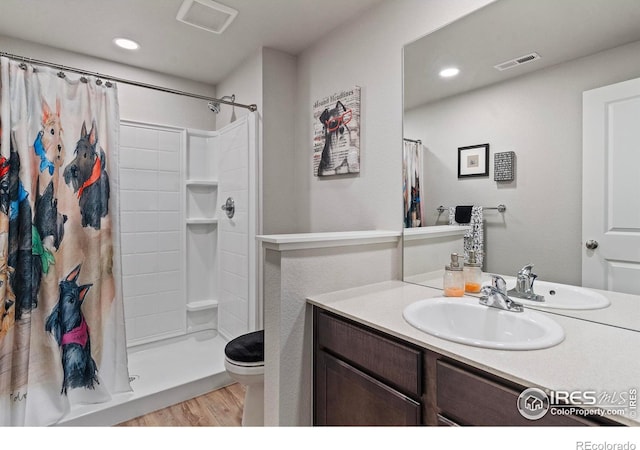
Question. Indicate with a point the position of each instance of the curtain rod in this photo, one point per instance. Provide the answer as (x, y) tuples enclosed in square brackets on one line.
[(411, 140), (252, 107)]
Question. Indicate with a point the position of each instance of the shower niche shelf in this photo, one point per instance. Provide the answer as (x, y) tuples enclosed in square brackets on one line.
[(202, 253), (202, 200), (193, 222), (202, 183), (202, 305)]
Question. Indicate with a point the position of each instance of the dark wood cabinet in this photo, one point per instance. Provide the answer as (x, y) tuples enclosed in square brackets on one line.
[(467, 398), (362, 376), (348, 396)]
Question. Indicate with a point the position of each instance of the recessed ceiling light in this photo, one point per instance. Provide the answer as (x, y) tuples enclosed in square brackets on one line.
[(127, 44), (449, 72)]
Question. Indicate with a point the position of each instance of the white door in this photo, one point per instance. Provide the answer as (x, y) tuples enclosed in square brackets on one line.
[(611, 188)]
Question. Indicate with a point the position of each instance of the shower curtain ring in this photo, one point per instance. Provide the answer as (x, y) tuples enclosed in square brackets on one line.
[(84, 79), (23, 66), (108, 84), (99, 82)]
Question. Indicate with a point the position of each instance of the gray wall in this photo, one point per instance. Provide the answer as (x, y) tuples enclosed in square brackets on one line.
[(367, 52), (539, 117), (268, 79)]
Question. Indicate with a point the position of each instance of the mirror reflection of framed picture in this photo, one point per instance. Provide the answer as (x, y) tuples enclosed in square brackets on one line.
[(473, 161)]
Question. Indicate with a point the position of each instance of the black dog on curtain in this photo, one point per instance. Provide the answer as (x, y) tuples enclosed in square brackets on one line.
[(48, 221), (69, 327), (89, 178), (26, 276), (334, 122)]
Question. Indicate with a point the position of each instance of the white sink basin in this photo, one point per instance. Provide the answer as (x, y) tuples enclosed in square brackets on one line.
[(464, 320), (563, 296)]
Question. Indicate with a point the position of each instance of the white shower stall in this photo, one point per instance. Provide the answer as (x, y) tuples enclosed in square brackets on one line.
[(189, 271)]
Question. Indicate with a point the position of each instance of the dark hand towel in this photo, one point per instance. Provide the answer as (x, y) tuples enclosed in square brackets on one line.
[(463, 214)]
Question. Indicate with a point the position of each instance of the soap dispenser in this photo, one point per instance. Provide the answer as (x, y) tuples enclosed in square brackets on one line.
[(453, 278), (472, 274)]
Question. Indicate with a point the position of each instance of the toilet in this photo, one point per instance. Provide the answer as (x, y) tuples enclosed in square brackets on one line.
[(244, 362)]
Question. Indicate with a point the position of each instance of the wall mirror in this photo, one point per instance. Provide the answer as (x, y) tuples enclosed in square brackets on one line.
[(523, 67)]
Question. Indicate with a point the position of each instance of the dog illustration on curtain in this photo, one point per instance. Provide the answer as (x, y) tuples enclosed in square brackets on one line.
[(49, 148), (48, 145), (27, 266), (7, 297), (69, 327), (90, 181)]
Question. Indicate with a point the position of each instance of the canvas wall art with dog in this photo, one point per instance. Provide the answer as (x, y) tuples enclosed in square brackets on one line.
[(336, 138)]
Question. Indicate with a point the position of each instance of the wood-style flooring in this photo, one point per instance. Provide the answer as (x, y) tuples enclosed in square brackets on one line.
[(220, 408)]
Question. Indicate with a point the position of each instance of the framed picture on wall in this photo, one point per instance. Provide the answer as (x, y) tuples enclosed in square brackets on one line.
[(473, 161), (336, 133)]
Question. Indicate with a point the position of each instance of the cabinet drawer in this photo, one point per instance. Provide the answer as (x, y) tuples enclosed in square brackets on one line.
[(470, 399), (346, 396), (396, 364)]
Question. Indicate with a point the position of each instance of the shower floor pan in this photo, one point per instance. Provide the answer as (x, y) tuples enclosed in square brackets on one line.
[(162, 374)]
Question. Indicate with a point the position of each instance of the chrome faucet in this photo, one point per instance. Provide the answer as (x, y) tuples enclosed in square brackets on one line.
[(524, 285), (496, 296)]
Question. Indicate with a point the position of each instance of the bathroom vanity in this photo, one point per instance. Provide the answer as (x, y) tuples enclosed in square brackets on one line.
[(372, 368)]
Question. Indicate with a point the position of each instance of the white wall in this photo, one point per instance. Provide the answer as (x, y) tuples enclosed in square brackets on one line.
[(539, 117), (136, 103), (367, 52), (290, 277)]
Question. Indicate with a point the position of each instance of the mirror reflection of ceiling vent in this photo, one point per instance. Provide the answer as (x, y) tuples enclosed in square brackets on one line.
[(517, 61), (206, 15)]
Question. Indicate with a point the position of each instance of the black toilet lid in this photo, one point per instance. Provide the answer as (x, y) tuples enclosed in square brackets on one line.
[(248, 348)]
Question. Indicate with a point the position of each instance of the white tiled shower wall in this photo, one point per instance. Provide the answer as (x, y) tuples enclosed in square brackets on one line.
[(153, 227), (233, 173), (150, 190)]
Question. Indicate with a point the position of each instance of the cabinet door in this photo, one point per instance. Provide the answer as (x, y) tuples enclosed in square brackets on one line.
[(347, 396), (471, 399)]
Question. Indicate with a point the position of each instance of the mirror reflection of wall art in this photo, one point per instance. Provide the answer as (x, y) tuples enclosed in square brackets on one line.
[(473, 161), (503, 166), (336, 133)]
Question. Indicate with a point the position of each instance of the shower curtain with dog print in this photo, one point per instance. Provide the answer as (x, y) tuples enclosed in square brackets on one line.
[(412, 169), (62, 339)]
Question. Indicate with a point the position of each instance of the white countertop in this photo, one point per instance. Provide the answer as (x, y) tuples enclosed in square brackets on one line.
[(592, 356)]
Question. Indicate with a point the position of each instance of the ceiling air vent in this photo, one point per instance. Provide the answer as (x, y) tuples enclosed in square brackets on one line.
[(206, 14), (517, 61)]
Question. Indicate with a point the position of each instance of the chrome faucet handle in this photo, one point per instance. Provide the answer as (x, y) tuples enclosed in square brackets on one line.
[(526, 271), (488, 291), (495, 296), (498, 283)]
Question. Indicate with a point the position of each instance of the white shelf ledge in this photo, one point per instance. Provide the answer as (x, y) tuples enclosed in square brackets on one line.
[(202, 305), (301, 241), (202, 221), (204, 183), (411, 234)]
